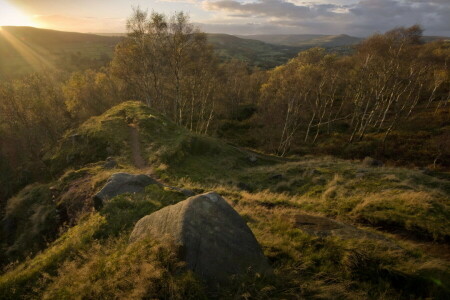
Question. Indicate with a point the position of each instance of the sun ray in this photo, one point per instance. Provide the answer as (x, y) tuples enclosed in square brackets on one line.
[(30, 55)]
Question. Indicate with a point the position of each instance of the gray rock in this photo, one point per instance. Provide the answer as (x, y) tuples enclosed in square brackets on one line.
[(213, 240), (121, 183), (276, 177), (252, 158), (311, 173), (371, 162), (110, 164)]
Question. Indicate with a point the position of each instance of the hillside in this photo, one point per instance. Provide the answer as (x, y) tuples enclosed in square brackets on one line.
[(24, 49), (330, 228), (27, 49)]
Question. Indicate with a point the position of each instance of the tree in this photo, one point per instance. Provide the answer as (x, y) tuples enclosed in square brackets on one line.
[(387, 81), (301, 96), (90, 93), (168, 63)]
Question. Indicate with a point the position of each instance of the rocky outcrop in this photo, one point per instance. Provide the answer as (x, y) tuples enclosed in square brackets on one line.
[(213, 240), (121, 183)]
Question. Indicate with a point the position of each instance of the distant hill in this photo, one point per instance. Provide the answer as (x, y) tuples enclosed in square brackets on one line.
[(428, 39), (26, 49), (255, 52), (48, 37), (306, 40)]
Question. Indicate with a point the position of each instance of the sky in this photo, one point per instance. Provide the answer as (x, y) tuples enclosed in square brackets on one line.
[(354, 17)]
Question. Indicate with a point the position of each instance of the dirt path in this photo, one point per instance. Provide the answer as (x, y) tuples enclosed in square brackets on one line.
[(138, 161)]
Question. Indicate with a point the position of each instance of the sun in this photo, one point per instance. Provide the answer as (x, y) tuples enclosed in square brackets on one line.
[(11, 16)]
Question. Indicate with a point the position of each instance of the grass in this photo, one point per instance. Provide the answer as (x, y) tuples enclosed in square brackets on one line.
[(116, 270), (92, 259), (22, 279), (30, 220)]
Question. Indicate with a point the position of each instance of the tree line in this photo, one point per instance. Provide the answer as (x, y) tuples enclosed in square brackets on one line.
[(318, 101)]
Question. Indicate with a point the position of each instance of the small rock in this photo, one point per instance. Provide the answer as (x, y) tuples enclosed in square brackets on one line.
[(371, 162), (121, 183), (53, 188), (276, 177), (252, 158), (110, 164), (311, 172), (187, 193), (213, 239)]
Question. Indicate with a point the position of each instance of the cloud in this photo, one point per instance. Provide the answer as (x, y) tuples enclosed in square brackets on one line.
[(271, 8), (358, 18), (80, 24)]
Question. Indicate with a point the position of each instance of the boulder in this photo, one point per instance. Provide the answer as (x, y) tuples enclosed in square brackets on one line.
[(213, 240), (371, 162), (121, 183)]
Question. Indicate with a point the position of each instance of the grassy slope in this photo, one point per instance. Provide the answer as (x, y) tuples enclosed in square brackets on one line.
[(93, 260)]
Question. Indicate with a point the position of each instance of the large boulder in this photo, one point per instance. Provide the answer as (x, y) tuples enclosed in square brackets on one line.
[(213, 240), (121, 183)]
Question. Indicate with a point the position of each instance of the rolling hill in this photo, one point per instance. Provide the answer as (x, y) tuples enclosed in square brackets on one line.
[(27, 49), (306, 40), (257, 53)]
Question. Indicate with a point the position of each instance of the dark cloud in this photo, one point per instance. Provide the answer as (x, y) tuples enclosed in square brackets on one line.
[(360, 18), (272, 8)]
